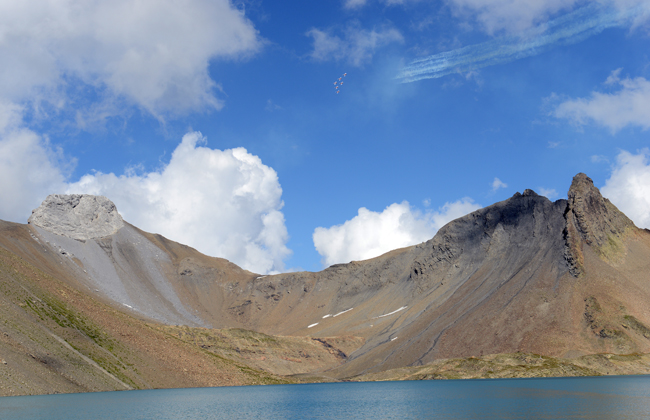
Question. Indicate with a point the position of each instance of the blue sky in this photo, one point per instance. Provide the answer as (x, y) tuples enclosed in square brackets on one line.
[(218, 124)]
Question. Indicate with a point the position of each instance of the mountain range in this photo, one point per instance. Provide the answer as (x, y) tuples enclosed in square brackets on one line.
[(524, 287)]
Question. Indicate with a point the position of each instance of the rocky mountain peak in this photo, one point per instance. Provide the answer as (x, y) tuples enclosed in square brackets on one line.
[(594, 216), (530, 193), (592, 219), (77, 216)]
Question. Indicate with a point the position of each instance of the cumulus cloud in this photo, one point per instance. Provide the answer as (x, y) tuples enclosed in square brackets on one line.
[(94, 59), (629, 186), (356, 46), (629, 106), (497, 184), (370, 234), (30, 168), (223, 203), (152, 53)]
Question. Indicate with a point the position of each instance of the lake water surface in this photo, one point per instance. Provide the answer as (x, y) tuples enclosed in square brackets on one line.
[(614, 397)]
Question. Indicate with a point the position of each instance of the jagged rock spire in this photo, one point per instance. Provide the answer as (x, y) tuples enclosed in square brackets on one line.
[(593, 220)]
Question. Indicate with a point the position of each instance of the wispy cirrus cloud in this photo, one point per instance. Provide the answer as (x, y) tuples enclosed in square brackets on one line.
[(352, 44), (510, 16), (569, 28), (357, 4), (497, 184), (549, 193), (354, 4)]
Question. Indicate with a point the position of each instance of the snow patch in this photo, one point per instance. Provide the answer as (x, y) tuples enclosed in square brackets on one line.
[(341, 313), (394, 312)]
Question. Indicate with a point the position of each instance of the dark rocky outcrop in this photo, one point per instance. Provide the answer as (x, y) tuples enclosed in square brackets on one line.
[(593, 220)]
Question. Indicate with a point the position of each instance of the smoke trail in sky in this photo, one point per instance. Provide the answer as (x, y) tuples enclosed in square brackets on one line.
[(565, 30)]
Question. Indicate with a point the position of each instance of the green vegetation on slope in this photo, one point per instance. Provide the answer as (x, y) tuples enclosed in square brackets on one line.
[(518, 365), (51, 334)]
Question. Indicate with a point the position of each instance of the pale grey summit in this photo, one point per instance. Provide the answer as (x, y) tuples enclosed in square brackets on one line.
[(77, 216)]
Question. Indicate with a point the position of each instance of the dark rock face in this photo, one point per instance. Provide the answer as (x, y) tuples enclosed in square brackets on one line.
[(515, 229), (505, 278), (591, 219)]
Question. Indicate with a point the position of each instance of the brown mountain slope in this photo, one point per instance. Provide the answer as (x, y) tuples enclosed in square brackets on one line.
[(526, 274), (57, 338), (560, 279)]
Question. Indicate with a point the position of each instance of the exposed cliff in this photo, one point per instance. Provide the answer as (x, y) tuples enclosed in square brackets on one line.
[(592, 220)]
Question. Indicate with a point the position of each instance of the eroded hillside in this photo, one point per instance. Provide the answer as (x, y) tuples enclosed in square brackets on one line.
[(562, 279)]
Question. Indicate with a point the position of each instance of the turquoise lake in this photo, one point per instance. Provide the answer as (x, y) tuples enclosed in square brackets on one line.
[(615, 397)]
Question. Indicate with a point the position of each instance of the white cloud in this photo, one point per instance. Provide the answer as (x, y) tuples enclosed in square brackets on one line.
[(272, 106), (515, 17), (565, 29), (370, 234), (549, 193), (357, 4), (153, 53), (452, 211), (629, 106), (640, 10), (223, 203), (90, 59), (629, 186), (614, 77), (354, 4), (29, 167), (509, 15), (497, 183), (599, 159), (356, 47)]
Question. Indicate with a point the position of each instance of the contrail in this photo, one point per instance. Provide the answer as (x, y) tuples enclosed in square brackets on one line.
[(565, 30)]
